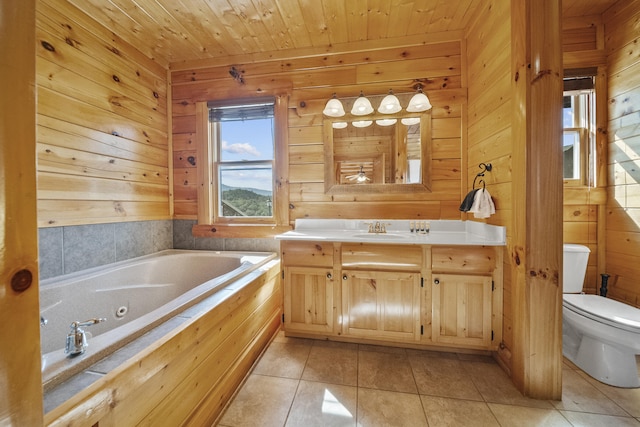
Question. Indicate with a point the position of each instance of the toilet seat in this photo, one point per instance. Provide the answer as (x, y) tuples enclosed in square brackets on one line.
[(604, 310)]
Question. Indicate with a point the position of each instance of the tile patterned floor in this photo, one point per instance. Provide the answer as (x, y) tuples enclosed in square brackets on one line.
[(300, 382)]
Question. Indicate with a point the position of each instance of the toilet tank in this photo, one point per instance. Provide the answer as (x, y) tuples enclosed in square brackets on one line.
[(574, 267)]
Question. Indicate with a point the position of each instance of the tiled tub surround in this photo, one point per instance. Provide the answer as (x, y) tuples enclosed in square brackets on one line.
[(133, 296), (64, 250)]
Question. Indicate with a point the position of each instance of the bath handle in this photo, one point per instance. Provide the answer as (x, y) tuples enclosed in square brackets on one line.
[(94, 321), (76, 339)]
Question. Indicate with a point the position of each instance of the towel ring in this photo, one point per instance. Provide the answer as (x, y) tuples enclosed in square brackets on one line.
[(486, 167)]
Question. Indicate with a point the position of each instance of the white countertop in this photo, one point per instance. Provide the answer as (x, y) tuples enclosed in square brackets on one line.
[(441, 232)]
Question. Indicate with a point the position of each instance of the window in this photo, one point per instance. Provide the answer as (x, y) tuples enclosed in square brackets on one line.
[(243, 160), (578, 142), (242, 167)]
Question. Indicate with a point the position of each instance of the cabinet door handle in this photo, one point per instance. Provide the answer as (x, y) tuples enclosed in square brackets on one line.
[(436, 281), (329, 276), (344, 277)]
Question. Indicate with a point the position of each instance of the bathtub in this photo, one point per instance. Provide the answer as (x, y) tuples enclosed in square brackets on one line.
[(134, 296)]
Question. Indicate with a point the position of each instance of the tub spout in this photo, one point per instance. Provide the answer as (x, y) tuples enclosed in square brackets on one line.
[(77, 338)]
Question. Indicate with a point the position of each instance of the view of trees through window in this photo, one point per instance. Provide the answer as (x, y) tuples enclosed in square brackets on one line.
[(244, 138), (246, 202)]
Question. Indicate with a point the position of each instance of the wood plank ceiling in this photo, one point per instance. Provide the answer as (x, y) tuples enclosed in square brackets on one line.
[(172, 31)]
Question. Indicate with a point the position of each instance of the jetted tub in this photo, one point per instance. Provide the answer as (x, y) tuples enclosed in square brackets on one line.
[(134, 296)]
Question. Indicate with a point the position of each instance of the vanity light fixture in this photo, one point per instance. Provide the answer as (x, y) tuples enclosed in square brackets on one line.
[(390, 104), (410, 121), (334, 107), (362, 123), (339, 125), (362, 106), (419, 102), (387, 122)]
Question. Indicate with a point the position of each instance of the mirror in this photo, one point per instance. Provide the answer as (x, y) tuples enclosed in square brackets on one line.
[(391, 154)]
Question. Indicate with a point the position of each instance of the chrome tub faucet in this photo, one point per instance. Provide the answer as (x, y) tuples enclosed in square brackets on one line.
[(77, 338)]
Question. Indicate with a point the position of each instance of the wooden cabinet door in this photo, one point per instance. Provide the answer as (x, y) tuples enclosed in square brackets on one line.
[(461, 308), (381, 305), (309, 299)]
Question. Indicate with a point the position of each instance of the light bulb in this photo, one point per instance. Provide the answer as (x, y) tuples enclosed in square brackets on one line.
[(362, 106), (334, 108), (390, 104), (419, 102)]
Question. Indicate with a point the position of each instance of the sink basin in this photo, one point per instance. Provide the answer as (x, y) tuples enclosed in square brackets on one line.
[(379, 236)]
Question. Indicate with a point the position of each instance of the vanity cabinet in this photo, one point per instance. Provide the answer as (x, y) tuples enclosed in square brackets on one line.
[(381, 291), (309, 302), (462, 287), (310, 292), (461, 310), (413, 295), (381, 305)]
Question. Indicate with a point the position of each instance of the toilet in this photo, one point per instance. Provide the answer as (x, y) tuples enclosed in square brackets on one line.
[(600, 335)]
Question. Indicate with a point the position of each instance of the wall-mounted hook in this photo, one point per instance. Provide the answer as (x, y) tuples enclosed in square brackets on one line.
[(486, 167)]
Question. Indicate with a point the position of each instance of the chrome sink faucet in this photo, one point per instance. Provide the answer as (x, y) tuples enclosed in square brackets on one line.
[(77, 338), (377, 227)]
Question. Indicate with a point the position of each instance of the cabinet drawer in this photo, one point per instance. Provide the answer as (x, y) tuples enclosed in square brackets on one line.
[(381, 257), (310, 254), (463, 259)]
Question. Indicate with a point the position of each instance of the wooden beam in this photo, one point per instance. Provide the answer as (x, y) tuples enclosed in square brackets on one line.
[(537, 207), (20, 381)]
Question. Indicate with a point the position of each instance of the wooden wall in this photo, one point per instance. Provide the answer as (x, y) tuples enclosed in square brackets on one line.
[(488, 43), (489, 133), (584, 206), (310, 82), (20, 377), (102, 132), (623, 203)]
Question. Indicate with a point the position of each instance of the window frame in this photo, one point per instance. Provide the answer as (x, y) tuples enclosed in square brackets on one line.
[(219, 165), (585, 123), (209, 224)]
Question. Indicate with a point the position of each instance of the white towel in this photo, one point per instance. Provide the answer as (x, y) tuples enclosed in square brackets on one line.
[(483, 206)]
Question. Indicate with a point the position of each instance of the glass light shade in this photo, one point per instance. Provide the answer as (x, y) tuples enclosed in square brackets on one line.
[(339, 125), (410, 121), (362, 106), (419, 102), (362, 123), (390, 104), (387, 122), (334, 108)]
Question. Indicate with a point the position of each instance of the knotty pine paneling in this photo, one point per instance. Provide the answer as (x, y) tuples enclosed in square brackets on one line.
[(488, 73), (310, 81), (623, 204), (102, 131)]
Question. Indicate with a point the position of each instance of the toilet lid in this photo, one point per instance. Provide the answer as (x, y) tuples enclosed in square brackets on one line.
[(605, 310)]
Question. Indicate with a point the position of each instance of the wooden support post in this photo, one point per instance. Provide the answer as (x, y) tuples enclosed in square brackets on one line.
[(536, 249), (20, 381)]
